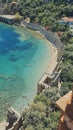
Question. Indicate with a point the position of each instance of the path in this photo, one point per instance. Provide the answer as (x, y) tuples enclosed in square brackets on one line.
[(2, 125)]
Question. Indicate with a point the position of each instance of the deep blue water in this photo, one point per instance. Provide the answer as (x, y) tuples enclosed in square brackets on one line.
[(23, 59)]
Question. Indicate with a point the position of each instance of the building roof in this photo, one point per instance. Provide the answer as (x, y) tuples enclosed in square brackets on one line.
[(68, 19), (62, 102)]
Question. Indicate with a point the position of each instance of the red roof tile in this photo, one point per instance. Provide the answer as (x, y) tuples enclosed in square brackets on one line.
[(62, 102), (68, 19)]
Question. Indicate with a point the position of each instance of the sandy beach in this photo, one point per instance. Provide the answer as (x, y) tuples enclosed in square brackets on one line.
[(2, 125), (53, 60), (54, 53)]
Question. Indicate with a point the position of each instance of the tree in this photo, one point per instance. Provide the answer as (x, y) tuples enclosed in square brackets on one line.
[(67, 11), (65, 88), (65, 37), (29, 127), (67, 74), (40, 116), (18, 17)]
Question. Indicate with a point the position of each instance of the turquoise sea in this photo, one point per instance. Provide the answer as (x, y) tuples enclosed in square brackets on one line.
[(24, 57)]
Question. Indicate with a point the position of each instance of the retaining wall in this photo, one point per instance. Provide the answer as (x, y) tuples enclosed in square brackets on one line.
[(52, 38)]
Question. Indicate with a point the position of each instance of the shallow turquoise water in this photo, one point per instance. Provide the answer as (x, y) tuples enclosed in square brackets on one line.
[(24, 57)]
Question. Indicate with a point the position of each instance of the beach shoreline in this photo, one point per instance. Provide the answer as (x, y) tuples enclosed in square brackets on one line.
[(53, 61), (54, 54)]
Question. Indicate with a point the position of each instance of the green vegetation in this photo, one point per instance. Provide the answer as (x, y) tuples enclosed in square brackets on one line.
[(18, 17), (67, 62), (42, 114), (46, 12)]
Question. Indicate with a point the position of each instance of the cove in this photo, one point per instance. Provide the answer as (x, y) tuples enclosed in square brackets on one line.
[(24, 57)]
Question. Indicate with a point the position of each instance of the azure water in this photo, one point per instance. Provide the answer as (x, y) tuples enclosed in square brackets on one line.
[(24, 56)]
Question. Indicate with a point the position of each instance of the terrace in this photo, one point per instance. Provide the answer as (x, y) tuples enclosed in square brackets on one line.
[(7, 19), (13, 120), (48, 81)]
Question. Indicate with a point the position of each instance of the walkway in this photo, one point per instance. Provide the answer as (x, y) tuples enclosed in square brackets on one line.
[(2, 125)]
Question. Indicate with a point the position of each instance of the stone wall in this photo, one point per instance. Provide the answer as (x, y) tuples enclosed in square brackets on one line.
[(6, 20), (13, 120), (49, 35)]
